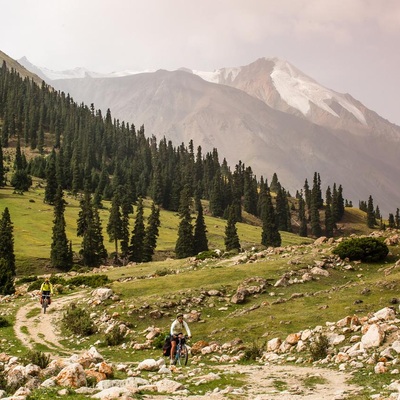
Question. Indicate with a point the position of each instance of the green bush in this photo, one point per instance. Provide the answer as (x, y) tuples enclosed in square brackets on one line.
[(27, 279), (319, 347), (207, 254), (92, 281), (363, 249), (38, 358), (4, 322), (254, 352), (114, 337), (159, 340), (77, 320)]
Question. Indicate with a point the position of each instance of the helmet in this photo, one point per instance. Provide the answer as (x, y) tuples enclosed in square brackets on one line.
[(179, 315), (47, 280)]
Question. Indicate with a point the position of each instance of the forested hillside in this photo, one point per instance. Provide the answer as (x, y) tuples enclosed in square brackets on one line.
[(78, 150)]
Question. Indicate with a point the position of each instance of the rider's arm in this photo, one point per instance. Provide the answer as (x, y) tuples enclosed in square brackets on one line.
[(187, 328), (172, 328), (51, 288)]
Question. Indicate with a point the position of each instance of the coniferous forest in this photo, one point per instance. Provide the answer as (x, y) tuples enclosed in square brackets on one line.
[(83, 152)]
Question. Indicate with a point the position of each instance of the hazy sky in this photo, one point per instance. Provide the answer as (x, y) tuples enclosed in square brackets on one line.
[(351, 46)]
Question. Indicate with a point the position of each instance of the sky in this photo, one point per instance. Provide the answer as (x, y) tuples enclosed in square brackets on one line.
[(350, 46)]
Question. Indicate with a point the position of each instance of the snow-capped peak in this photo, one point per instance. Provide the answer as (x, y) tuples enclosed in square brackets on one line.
[(299, 91)]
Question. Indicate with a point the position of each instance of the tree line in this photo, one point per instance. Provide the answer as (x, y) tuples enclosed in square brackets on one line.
[(102, 158)]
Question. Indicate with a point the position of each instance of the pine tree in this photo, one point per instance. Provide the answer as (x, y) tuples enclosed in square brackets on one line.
[(2, 169), (138, 235), (371, 221), (329, 222), (184, 244), (397, 219), (231, 236), (270, 235), (7, 256), (115, 226), (150, 239), (302, 217), (89, 227), (51, 180), (391, 221), (60, 254), (315, 219), (200, 238)]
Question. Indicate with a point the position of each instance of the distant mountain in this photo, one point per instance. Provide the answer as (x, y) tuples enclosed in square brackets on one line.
[(23, 71), (268, 114)]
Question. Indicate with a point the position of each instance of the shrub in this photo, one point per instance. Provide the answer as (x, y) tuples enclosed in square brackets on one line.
[(38, 358), (319, 347), (114, 337), (4, 322), (77, 320), (363, 249), (254, 352), (93, 281), (159, 340), (54, 280), (27, 279), (207, 254), (164, 272)]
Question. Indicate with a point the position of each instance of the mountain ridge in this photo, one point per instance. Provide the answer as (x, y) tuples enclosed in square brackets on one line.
[(240, 112)]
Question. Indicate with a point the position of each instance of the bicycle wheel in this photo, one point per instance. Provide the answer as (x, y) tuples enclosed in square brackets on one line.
[(178, 355), (184, 354), (44, 305)]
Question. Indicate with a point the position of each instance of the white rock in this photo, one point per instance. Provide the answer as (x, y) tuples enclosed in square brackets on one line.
[(374, 337)]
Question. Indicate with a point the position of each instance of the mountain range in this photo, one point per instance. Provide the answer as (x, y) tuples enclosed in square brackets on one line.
[(268, 114)]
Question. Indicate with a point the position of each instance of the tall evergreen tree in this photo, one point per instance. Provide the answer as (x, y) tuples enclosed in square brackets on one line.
[(7, 256), (397, 219), (371, 221), (89, 227), (138, 234), (231, 236), (302, 217), (150, 239), (270, 235), (391, 221), (316, 229), (200, 238), (51, 179), (184, 244), (2, 169), (329, 222), (60, 254), (115, 226)]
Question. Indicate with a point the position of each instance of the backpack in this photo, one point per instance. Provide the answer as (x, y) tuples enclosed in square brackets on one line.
[(167, 347)]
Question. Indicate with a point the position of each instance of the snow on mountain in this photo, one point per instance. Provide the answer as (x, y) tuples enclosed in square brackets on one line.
[(299, 91), (75, 73)]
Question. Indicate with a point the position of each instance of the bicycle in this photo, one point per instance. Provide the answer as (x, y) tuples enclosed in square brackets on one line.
[(182, 351), (45, 302)]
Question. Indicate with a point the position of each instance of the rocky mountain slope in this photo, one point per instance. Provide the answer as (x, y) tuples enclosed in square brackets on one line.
[(268, 114)]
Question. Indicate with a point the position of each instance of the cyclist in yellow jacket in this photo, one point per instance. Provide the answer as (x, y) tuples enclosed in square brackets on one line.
[(46, 289)]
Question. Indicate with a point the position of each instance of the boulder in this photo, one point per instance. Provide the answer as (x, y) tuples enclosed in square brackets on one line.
[(72, 375), (373, 337)]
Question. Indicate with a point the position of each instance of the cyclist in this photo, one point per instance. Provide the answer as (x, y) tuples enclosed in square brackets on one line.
[(46, 289), (176, 331)]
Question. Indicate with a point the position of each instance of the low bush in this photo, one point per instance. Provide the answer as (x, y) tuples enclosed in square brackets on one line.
[(37, 358), (77, 320), (364, 249), (4, 322), (319, 347), (207, 254), (114, 337), (56, 280), (254, 352), (27, 279), (93, 281)]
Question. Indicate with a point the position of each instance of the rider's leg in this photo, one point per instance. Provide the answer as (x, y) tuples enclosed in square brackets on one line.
[(173, 349)]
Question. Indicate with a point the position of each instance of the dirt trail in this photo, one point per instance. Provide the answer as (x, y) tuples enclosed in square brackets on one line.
[(41, 329)]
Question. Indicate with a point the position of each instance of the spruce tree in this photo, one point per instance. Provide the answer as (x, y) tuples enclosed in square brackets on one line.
[(7, 256), (184, 244), (60, 254), (302, 217), (2, 169), (115, 226), (138, 235), (150, 239), (51, 179), (371, 221), (200, 241), (231, 236), (397, 219), (329, 222), (270, 235), (89, 228)]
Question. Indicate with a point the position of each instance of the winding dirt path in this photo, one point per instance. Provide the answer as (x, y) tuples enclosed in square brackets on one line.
[(41, 328)]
